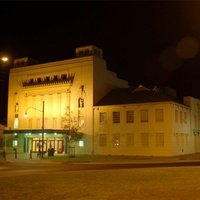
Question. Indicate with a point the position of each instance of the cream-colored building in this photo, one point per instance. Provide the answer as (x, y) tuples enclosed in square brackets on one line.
[(59, 95), (146, 122), (115, 119)]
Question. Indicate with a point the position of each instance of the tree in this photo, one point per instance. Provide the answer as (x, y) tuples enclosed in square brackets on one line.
[(72, 132)]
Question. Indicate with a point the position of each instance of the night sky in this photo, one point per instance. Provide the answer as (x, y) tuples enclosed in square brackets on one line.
[(144, 42)]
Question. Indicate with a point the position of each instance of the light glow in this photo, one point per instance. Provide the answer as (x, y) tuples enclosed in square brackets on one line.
[(81, 143), (15, 143), (4, 59), (25, 115)]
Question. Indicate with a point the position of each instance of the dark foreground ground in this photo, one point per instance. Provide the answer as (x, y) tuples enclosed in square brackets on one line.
[(100, 177)]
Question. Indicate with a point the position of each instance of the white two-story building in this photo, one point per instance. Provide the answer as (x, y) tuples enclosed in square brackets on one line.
[(147, 122)]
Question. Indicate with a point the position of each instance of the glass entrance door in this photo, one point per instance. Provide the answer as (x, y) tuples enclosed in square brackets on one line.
[(37, 145)]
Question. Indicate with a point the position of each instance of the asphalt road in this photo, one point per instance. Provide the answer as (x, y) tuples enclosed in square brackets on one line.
[(141, 180), (19, 168)]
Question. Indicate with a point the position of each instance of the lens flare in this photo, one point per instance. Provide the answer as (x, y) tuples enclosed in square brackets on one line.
[(187, 47)]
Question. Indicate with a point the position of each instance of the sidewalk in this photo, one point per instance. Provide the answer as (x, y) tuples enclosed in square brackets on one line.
[(99, 158)]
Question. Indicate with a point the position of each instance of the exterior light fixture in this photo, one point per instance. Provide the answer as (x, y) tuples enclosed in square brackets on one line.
[(25, 114)]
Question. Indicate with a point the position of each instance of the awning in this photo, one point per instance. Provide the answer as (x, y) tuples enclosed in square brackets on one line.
[(34, 131)]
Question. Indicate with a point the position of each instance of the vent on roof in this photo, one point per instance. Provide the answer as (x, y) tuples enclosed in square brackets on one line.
[(89, 51), (156, 89), (20, 62), (140, 88)]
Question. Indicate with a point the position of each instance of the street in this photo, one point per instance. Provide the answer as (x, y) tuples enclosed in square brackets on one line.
[(45, 179), (45, 166)]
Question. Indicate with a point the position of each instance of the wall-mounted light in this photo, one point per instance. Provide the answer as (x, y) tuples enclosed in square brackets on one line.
[(25, 114)]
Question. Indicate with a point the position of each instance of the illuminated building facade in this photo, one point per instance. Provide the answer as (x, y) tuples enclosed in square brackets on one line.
[(69, 89), (114, 118), (146, 122)]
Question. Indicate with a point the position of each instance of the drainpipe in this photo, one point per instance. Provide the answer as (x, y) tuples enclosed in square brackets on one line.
[(93, 131)]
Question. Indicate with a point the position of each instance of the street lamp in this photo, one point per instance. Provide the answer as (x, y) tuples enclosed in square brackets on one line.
[(4, 59), (25, 114)]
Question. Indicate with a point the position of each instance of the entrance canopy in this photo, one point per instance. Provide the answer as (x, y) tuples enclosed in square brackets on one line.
[(24, 131)]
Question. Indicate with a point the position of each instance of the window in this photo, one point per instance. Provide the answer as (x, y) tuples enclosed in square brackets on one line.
[(177, 139), (186, 139), (130, 139), (145, 139), (129, 116), (182, 139), (181, 117), (54, 122), (16, 107), (15, 143), (38, 123), (16, 123), (81, 143), (185, 117), (102, 117), (159, 115), (116, 140), (30, 122), (144, 115), (81, 102), (46, 123), (176, 116), (160, 139), (116, 117), (102, 140)]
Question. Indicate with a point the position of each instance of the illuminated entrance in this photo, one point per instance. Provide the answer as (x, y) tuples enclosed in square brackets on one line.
[(25, 141), (56, 143)]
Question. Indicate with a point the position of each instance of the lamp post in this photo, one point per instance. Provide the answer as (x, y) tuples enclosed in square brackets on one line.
[(3, 93), (3, 87), (42, 123)]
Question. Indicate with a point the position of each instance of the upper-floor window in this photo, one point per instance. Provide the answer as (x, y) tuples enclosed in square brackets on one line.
[(38, 123), (116, 117), (176, 116), (144, 115), (46, 122), (54, 122), (102, 117), (181, 117), (30, 123), (159, 115), (129, 116), (185, 117)]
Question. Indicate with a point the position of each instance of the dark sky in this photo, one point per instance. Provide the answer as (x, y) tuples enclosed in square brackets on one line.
[(144, 42)]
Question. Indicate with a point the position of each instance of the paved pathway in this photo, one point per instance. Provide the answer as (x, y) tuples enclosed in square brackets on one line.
[(100, 159)]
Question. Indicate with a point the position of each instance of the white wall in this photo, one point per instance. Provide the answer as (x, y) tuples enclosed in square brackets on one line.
[(167, 127)]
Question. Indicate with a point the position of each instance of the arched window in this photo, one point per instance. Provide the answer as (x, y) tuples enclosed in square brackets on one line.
[(80, 102)]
